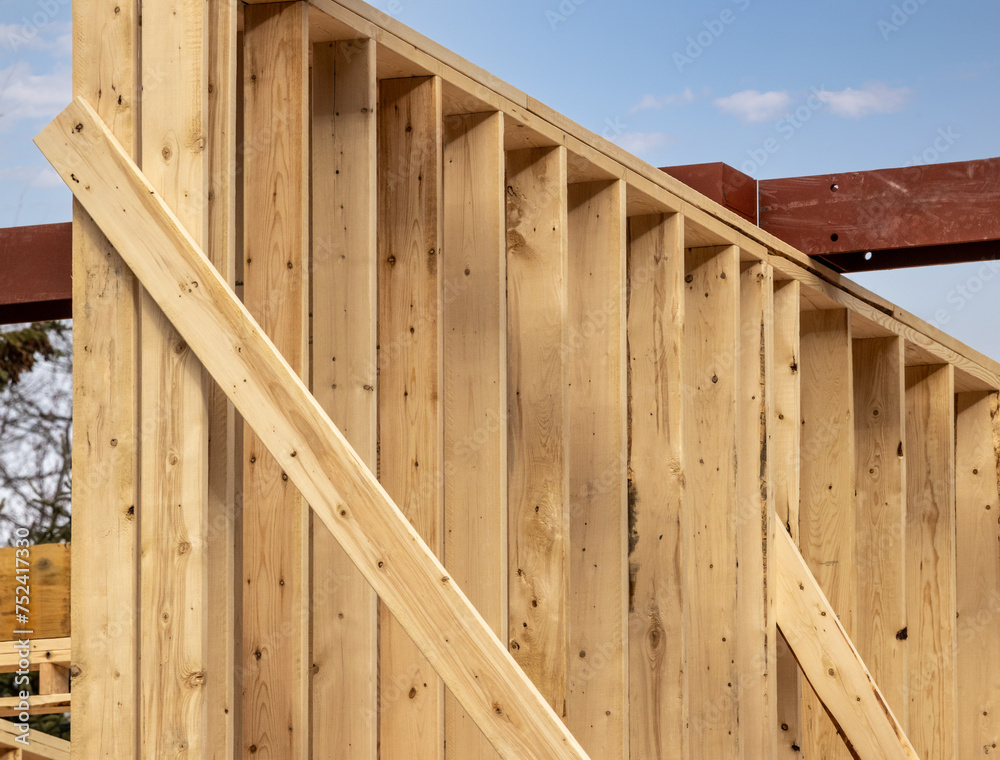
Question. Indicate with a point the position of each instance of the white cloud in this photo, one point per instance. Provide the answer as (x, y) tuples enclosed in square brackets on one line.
[(659, 102), (751, 106), (872, 98), (54, 38), (24, 95), (639, 143)]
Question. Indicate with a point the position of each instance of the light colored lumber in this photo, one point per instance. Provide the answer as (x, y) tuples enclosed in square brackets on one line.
[(596, 365), (173, 506), (46, 567), (832, 664), (53, 679), (38, 704), (417, 54), (977, 491), (410, 416), (276, 611), (827, 502), (786, 426), (711, 368), (787, 396), (788, 709), (474, 324), (538, 481), (756, 662), (930, 558), (224, 528), (40, 746), (54, 651), (316, 457), (879, 424), (344, 381), (105, 579), (656, 486), (977, 372)]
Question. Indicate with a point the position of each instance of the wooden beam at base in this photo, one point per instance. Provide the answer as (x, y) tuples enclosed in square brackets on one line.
[(345, 382), (832, 664), (314, 454), (38, 704), (930, 559), (977, 658), (595, 355), (474, 323), (276, 612), (656, 485), (53, 651), (40, 745)]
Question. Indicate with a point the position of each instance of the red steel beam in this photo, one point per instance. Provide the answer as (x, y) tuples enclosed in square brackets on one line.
[(723, 184), (36, 265), (915, 216)]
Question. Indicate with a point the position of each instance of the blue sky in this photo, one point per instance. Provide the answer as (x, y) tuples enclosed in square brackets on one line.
[(841, 86)]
